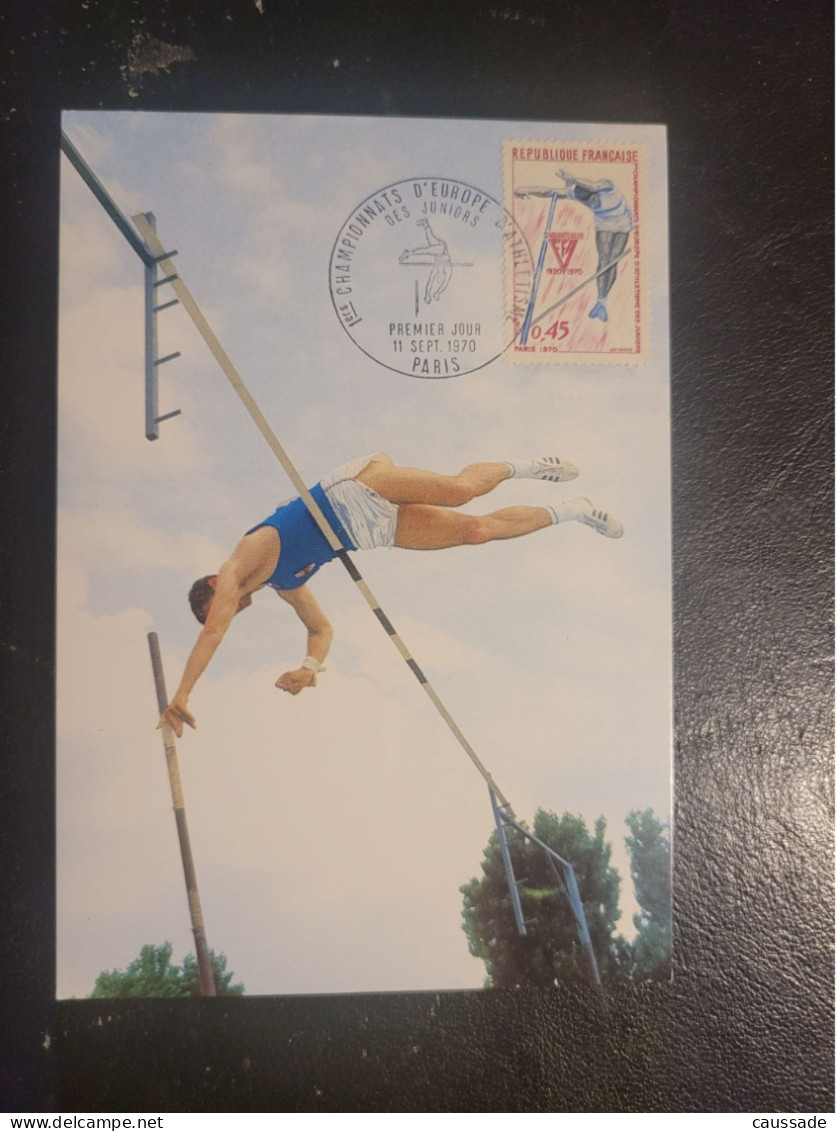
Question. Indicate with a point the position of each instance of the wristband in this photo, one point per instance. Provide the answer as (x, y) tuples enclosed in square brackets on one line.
[(313, 664)]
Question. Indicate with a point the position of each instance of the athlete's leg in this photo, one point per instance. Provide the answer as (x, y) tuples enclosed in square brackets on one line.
[(412, 485), (610, 246), (439, 280), (422, 527)]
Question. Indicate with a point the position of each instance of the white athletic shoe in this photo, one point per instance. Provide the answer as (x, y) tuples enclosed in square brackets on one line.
[(552, 468), (601, 521)]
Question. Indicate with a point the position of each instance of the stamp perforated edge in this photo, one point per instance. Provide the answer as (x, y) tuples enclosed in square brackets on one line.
[(641, 229)]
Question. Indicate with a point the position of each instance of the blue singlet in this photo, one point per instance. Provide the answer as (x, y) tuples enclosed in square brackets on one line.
[(303, 546)]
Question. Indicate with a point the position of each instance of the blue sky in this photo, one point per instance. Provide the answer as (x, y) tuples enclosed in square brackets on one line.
[(349, 811)]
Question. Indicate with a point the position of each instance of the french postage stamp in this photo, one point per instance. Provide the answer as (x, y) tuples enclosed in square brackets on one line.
[(578, 206)]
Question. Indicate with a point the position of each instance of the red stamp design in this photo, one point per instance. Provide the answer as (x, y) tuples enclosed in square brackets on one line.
[(579, 208)]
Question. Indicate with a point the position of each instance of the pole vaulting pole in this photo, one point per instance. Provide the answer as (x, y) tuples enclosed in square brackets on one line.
[(536, 282), (207, 982), (188, 303)]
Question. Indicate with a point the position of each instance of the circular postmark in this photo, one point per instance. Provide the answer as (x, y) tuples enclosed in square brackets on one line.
[(416, 276)]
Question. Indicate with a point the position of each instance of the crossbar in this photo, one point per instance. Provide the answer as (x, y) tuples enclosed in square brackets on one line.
[(233, 376), (106, 200), (582, 285)]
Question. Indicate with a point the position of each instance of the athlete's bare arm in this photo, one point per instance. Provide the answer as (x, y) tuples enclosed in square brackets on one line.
[(246, 570), (564, 190), (590, 186), (539, 190), (320, 633), (434, 246)]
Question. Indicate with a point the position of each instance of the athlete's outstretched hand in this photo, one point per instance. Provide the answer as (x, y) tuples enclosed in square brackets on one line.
[(293, 682), (176, 715)]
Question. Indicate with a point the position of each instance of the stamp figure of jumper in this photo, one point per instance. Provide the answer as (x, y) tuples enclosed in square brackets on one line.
[(579, 210), (432, 254)]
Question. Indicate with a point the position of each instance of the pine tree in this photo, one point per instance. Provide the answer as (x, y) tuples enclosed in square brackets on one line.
[(650, 851), (550, 952)]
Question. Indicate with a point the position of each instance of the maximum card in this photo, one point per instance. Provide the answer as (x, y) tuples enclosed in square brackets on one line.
[(293, 369)]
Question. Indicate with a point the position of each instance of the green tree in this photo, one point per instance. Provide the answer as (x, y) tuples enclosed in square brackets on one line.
[(221, 976), (153, 974), (650, 851), (550, 952)]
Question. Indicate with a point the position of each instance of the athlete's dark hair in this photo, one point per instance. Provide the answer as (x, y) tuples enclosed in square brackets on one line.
[(199, 597)]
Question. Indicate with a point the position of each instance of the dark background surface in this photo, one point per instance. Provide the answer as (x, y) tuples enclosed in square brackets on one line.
[(745, 90)]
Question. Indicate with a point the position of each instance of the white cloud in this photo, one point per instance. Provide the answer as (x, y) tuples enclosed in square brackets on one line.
[(95, 145), (118, 538), (101, 390)]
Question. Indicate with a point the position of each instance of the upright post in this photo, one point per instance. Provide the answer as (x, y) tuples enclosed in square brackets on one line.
[(578, 910), (151, 411), (207, 982), (150, 261), (152, 361), (571, 885), (507, 864)]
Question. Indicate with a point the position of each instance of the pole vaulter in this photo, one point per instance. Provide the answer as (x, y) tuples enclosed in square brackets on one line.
[(613, 221), (509, 522), (219, 353)]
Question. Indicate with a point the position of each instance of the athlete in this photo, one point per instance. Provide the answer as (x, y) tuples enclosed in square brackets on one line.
[(612, 224), (369, 502), (440, 269)]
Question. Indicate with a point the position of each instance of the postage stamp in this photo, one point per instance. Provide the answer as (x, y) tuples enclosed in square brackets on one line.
[(416, 276), (578, 206)]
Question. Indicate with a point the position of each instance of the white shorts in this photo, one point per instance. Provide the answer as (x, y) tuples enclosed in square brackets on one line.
[(369, 519)]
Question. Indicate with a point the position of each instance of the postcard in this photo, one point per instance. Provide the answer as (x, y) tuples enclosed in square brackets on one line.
[(411, 378)]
